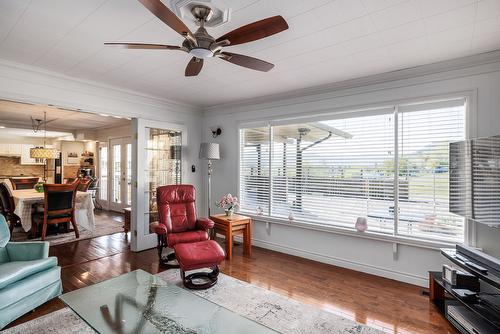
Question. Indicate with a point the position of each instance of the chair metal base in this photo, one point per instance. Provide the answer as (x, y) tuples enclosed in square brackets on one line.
[(165, 261), (209, 278)]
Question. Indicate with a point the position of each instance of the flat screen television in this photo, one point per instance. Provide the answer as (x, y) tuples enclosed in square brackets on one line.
[(475, 180)]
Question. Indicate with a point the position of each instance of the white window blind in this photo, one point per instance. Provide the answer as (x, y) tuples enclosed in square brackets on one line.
[(332, 171), (254, 169), (424, 138)]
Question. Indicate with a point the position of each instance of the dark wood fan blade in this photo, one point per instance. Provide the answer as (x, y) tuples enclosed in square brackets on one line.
[(246, 61), (144, 46), (256, 30), (166, 15), (194, 67)]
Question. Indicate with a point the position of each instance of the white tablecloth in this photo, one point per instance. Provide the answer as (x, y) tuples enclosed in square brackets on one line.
[(24, 199)]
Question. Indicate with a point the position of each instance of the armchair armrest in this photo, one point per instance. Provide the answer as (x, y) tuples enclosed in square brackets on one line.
[(158, 228), (204, 224), (27, 251)]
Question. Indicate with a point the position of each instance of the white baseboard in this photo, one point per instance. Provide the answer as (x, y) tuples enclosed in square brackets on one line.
[(362, 267)]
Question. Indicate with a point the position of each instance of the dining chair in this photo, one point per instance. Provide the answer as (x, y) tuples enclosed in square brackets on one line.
[(23, 183), (7, 207), (84, 183), (59, 207), (94, 189), (70, 180)]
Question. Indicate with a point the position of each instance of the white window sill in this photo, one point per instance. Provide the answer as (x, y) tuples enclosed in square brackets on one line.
[(430, 244)]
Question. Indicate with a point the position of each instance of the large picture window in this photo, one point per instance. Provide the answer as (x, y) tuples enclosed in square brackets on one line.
[(389, 166)]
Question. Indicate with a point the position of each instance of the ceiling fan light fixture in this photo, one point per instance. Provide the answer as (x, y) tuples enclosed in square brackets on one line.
[(43, 152), (201, 53), (201, 44)]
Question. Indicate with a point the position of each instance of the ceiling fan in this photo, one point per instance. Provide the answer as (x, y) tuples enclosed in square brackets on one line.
[(201, 45), (36, 123)]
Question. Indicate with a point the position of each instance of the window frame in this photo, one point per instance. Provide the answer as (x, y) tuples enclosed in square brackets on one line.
[(470, 105)]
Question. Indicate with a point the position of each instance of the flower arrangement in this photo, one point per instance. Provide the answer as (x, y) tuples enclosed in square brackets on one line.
[(229, 203)]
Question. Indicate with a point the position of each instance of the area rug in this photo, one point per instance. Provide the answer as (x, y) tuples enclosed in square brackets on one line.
[(273, 310), (105, 224)]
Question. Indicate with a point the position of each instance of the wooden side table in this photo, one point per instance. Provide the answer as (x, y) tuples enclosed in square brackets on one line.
[(231, 226)]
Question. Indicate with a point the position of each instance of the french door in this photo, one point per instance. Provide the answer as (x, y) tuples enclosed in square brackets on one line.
[(119, 173), (157, 160), (103, 175)]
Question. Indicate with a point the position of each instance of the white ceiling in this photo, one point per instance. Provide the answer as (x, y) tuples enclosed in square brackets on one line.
[(328, 41), (7, 133), (18, 115)]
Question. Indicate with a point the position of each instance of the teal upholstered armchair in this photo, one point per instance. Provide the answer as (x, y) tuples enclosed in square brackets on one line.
[(28, 276)]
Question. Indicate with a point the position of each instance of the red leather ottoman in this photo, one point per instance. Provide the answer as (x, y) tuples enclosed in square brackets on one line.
[(198, 255)]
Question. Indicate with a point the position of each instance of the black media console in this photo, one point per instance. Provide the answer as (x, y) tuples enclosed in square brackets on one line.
[(471, 299)]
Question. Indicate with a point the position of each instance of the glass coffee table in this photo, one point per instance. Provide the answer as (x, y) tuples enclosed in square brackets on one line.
[(138, 302)]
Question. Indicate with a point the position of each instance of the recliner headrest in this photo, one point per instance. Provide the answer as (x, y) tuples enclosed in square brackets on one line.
[(178, 193)]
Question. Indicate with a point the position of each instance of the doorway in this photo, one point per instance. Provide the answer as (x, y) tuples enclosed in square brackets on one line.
[(119, 173), (82, 140), (157, 161)]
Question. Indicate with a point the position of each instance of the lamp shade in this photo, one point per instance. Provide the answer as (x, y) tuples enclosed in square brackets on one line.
[(43, 153), (209, 151)]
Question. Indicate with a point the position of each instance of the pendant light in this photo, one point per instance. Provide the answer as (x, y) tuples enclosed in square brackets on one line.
[(44, 152)]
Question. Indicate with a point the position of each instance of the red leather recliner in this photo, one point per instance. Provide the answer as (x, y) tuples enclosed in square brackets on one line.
[(178, 222)]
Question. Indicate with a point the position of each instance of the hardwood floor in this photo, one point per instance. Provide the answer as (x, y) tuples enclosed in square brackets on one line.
[(389, 305)]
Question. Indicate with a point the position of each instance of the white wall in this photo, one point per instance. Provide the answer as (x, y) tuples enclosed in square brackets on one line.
[(478, 76), (71, 146), (90, 146), (103, 135), (29, 84)]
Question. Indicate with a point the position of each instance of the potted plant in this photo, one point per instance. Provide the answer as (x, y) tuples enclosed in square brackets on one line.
[(229, 203), (39, 187)]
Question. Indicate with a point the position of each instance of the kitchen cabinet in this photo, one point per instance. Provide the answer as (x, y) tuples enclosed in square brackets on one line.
[(11, 150)]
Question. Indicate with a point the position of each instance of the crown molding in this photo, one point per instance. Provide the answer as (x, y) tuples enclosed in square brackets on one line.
[(21, 71), (453, 68)]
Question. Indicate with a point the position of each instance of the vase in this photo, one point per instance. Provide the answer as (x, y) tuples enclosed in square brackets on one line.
[(229, 212), (39, 187), (361, 224)]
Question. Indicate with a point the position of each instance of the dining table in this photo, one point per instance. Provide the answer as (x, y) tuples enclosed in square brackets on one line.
[(24, 200)]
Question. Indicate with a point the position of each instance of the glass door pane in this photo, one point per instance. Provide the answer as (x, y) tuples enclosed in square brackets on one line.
[(116, 181), (163, 167), (103, 173), (129, 174), (120, 184)]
